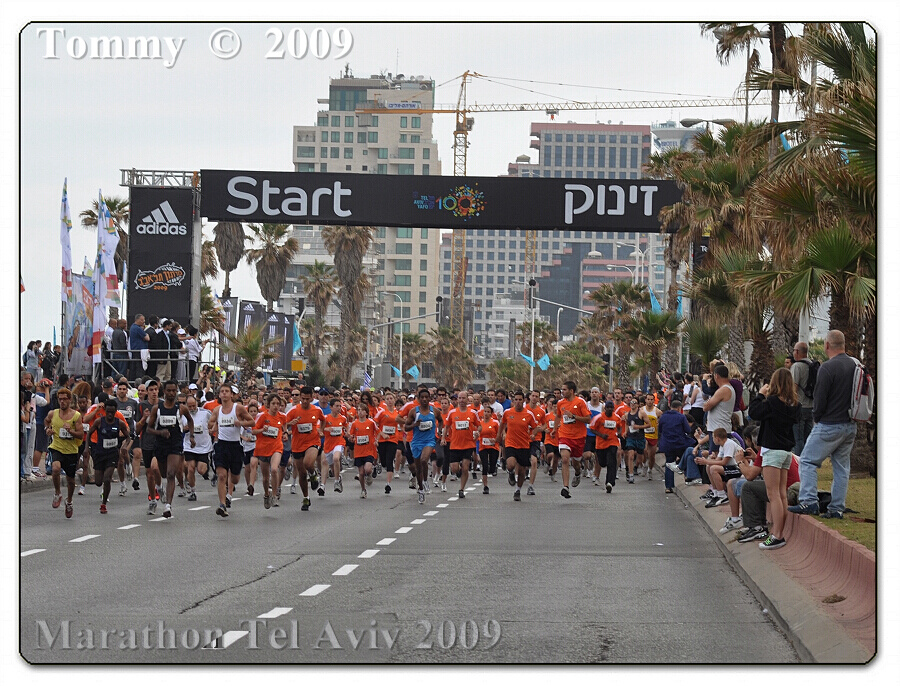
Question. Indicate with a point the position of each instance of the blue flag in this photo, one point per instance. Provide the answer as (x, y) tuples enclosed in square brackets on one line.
[(298, 344), (678, 309), (396, 371), (527, 359), (413, 372), (367, 379), (654, 303), (544, 362)]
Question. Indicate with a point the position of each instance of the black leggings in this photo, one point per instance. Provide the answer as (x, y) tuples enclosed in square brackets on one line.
[(386, 454), (489, 460)]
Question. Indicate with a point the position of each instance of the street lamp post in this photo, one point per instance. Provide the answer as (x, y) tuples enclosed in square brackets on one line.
[(532, 283), (558, 336), (610, 267), (400, 300)]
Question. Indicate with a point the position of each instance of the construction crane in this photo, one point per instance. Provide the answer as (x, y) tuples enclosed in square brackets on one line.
[(464, 124)]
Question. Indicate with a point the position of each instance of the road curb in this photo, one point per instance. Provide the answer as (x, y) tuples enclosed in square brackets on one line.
[(817, 637)]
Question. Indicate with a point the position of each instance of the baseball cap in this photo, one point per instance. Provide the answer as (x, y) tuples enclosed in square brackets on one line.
[(192, 387), (181, 332)]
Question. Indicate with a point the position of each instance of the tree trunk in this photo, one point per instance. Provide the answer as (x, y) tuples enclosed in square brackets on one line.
[(839, 318), (762, 363), (736, 339), (226, 293)]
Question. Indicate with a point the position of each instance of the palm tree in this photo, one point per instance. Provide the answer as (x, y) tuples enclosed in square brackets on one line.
[(705, 340), (316, 339), (119, 212), (651, 332), (248, 345), (454, 365), (209, 263), (320, 285), (212, 318), (271, 257), (229, 243), (616, 302), (348, 245), (544, 338), (576, 363), (507, 373)]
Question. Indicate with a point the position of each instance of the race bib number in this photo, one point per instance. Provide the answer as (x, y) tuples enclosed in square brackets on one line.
[(270, 431), (389, 430), (650, 431), (304, 428), (226, 421), (64, 432), (110, 443), (487, 441), (632, 429), (127, 413), (362, 440), (570, 419), (609, 424), (198, 429), (424, 426), (335, 430), (167, 420), (85, 428), (551, 424), (462, 425)]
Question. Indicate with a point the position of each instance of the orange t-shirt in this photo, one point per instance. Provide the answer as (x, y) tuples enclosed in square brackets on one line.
[(304, 434), (606, 429), (519, 426), (550, 437), (363, 433), (574, 429), (334, 431), (539, 413), (388, 422), (269, 441), (461, 427), (489, 431)]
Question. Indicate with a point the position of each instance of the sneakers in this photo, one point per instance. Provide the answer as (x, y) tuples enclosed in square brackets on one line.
[(693, 482), (181, 493), (363, 494), (314, 480), (576, 480), (553, 477), (594, 480), (771, 543), (387, 489), (710, 493), (427, 486), (221, 511), (293, 489), (69, 509), (192, 497), (123, 490), (511, 478), (152, 509), (103, 509), (649, 475), (629, 478), (368, 479), (811, 509), (167, 513), (421, 497), (443, 487), (565, 492), (673, 467), (717, 501), (517, 496), (214, 480), (57, 499), (462, 494), (753, 534), (832, 514), (305, 506), (339, 485), (250, 489), (81, 490), (530, 489), (732, 523), (228, 501), (608, 487), (267, 502), (486, 490), (412, 481), (321, 490)]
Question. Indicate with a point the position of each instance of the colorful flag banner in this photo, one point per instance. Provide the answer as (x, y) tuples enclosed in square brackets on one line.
[(413, 372), (396, 371), (65, 227), (298, 344), (654, 303), (367, 379), (544, 362), (527, 359)]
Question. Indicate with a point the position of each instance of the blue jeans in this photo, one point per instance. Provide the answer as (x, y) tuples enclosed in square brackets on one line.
[(24, 462), (802, 429), (835, 440), (688, 466)]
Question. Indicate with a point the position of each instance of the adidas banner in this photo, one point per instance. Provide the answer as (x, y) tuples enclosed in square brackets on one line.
[(469, 202), (159, 253)]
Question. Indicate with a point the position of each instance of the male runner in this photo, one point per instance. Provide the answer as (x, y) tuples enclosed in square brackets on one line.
[(335, 429), (461, 431), (226, 422), (573, 417), (164, 423), (422, 421), (130, 409), (306, 422), (536, 448), (64, 426), (518, 428), (196, 456), (111, 432)]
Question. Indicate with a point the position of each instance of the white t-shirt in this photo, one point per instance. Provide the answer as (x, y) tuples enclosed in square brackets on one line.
[(687, 392), (729, 449)]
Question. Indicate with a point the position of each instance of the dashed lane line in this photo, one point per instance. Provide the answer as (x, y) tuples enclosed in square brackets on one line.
[(369, 553), (386, 541), (430, 514), (315, 590), (276, 612), (32, 552), (418, 521), (441, 505), (345, 570), (84, 538), (403, 530), (128, 526)]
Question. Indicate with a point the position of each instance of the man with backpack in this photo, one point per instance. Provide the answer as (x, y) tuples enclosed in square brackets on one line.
[(805, 375), (834, 431)]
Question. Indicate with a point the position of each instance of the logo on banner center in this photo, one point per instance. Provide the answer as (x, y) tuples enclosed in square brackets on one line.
[(462, 201), (162, 221), (161, 278)]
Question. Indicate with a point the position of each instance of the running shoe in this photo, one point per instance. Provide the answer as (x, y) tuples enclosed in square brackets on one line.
[(221, 511), (443, 487), (594, 480), (753, 534), (214, 480), (57, 499), (314, 479), (673, 467), (274, 500), (649, 475), (123, 490), (530, 489), (716, 501), (693, 482), (421, 495), (227, 501), (553, 477), (709, 494), (339, 485), (517, 496), (250, 489), (732, 523), (368, 479), (192, 497), (181, 494), (128, 472), (461, 495), (278, 495), (546, 467), (511, 478), (486, 490), (565, 492), (629, 478), (69, 509), (150, 507), (321, 490), (608, 487), (427, 485), (412, 481), (387, 489), (103, 509), (576, 479), (266, 501), (136, 485), (305, 505), (363, 494), (167, 513), (153, 505), (81, 490), (293, 489), (771, 543), (289, 471)]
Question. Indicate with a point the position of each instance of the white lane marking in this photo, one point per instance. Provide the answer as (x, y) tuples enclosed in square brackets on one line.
[(452, 499), (277, 612), (129, 526), (441, 505), (227, 639), (418, 521), (32, 552), (84, 538), (160, 519), (431, 514), (369, 553), (202, 507), (403, 530), (315, 590), (233, 499), (345, 570), (470, 489), (386, 541)]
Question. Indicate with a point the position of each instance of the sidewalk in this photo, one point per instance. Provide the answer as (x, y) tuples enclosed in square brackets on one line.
[(793, 583)]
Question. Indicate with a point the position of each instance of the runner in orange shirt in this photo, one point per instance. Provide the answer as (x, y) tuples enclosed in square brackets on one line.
[(268, 430), (490, 427), (364, 436), (518, 427), (461, 432), (540, 415), (335, 428), (574, 416), (388, 421), (306, 421), (606, 425), (551, 441)]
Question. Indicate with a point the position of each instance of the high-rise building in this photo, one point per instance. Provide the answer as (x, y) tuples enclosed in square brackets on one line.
[(404, 269), (569, 264)]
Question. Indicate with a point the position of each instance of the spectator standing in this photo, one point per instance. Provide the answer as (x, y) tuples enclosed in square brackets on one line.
[(800, 374), (138, 343), (119, 347), (834, 432)]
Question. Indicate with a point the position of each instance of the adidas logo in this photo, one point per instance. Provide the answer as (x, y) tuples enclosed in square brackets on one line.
[(162, 221)]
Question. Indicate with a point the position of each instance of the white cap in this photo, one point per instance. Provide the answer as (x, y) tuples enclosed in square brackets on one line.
[(316, 389), (181, 332), (192, 387)]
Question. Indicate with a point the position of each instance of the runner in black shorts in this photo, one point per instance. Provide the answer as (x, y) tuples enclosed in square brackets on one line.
[(111, 433), (164, 424)]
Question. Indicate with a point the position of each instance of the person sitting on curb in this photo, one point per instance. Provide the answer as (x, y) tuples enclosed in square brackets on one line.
[(750, 466), (721, 466)]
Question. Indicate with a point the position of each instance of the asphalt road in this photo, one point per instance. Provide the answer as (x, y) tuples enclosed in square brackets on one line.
[(627, 577)]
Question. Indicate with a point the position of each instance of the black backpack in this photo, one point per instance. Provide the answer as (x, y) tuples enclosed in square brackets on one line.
[(677, 394), (810, 386)]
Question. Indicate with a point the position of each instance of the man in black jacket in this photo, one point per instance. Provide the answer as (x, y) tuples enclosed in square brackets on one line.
[(119, 346), (158, 345)]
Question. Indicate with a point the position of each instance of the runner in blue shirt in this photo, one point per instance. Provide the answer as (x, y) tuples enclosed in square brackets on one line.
[(422, 421)]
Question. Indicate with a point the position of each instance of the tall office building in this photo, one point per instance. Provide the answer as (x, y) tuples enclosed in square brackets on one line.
[(569, 264), (404, 269)]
